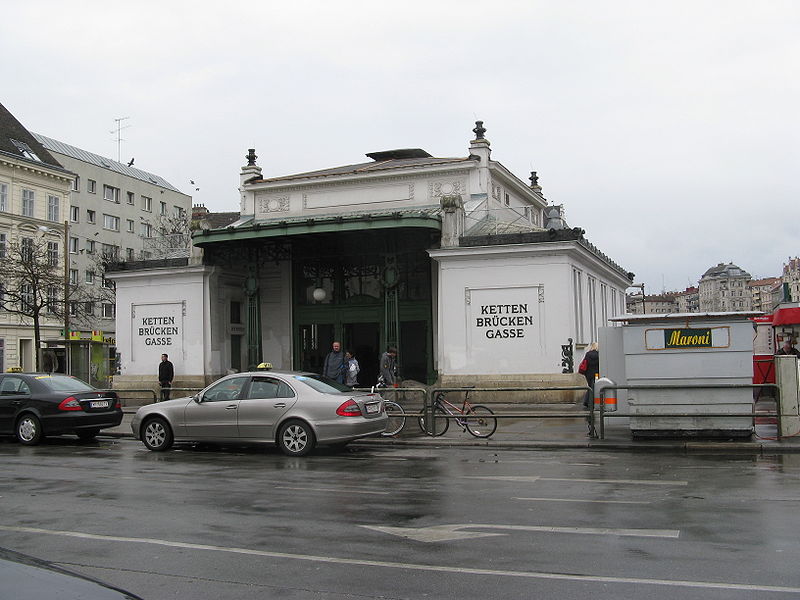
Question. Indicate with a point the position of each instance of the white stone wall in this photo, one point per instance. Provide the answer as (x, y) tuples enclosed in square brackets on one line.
[(505, 310)]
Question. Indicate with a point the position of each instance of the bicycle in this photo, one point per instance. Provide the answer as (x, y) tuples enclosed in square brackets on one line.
[(479, 420), (395, 412)]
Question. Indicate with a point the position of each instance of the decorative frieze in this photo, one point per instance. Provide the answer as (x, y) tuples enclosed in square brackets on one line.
[(452, 187), (271, 204)]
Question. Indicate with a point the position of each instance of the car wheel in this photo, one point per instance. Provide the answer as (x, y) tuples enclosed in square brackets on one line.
[(86, 435), (157, 434), (295, 438), (29, 430)]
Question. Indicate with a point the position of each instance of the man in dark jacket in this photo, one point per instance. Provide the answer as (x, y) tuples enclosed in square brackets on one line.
[(334, 365), (592, 369), (166, 373)]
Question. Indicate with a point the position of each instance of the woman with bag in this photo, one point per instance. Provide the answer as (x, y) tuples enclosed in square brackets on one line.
[(589, 368)]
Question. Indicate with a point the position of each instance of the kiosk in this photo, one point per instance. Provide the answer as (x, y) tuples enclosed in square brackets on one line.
[(677, 353)]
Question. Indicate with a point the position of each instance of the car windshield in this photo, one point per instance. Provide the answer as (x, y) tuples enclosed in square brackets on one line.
[(63, 383), (322, 384)]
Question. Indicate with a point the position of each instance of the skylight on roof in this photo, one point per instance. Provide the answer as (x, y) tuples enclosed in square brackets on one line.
[(25, 150)]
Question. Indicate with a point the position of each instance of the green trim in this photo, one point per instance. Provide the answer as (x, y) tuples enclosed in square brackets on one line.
[(273, 229)]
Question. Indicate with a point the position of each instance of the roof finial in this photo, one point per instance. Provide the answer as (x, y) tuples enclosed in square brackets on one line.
[(479, 130), (251, 157), (534, 178)]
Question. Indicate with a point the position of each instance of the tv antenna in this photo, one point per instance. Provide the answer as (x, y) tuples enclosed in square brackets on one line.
[(118, 130)]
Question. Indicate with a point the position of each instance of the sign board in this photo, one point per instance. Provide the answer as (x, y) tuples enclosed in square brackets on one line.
[(504, 324), (156, 329)]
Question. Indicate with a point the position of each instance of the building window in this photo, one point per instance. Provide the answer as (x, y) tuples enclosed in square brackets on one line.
[(76, 184), (89, 278), (163, 210), (73, 309), (111, 193), (129, 253), (91, 186), (147, 204), (508, 200), (3, 242), (88, 309), (109, 311), (26, 249), (27, 203), (146, 230), (111, 222), (73, 245), (52, 254), (90, 216), (26, 296), (73, 276), (91, 246), (130, 198), (74, 214), (110, 252), (236, 312), (53, 205), (52, 299), (108, 284), (25, 150), (4, 197), (129, 225)]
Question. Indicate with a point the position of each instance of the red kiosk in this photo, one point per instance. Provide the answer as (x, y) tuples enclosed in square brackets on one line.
[(771, 331)]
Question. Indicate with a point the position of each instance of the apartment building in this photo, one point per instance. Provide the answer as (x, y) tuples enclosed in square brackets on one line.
[(34, 197), (724, 288), (116, 211)]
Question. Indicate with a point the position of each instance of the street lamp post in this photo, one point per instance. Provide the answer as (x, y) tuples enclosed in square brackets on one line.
[(67, 357)]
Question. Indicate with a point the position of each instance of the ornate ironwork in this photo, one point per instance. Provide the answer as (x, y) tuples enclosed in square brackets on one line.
[(567, 360)]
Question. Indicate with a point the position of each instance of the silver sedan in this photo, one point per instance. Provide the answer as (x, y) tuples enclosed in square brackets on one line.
[(295, 411)]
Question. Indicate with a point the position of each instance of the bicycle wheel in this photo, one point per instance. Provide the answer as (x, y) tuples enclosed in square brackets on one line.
[(441, 422), (479, 421), (397, 418)]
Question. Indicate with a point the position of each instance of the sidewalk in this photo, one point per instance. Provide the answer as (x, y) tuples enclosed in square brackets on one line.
[(554, 433)]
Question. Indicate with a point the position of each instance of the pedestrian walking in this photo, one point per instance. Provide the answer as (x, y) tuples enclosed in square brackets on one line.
[(166, 373), (388, 364), (352, 370), (590, 368), (334, 365)]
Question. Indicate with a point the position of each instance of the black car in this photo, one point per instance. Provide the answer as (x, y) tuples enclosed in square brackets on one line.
[(28, 578), (34, 405)]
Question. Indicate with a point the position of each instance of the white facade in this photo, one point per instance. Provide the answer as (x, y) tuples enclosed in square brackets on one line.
[(487, 255), (507, 310)]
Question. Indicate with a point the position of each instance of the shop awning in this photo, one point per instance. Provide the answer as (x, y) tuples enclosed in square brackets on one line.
[(786, 316)]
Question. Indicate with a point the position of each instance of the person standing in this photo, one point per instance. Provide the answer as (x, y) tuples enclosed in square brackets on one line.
[(389, 367), (353, 369), (166, 373), (592, 359), (334, 365)]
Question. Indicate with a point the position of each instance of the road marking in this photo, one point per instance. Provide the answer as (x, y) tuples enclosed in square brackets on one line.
[(581, 500), (532, 478), (445, 533), (458, 571), (346, 490)]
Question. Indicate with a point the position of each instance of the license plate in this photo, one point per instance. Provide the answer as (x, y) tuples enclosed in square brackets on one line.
[(99, 404), (373, 408)]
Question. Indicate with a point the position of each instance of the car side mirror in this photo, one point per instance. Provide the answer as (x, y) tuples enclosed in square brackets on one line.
[(197, 398)]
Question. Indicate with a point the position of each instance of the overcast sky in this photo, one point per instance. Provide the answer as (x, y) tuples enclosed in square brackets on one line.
[(668, 130)]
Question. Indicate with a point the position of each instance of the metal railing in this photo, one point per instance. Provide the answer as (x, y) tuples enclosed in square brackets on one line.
[(603, 414)]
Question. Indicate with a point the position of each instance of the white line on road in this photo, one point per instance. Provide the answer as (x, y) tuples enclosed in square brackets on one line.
[(582, 500), (346, 490), (533, 478), (458, 571)]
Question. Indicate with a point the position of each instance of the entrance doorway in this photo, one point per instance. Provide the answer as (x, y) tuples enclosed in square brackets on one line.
[(363, 340)]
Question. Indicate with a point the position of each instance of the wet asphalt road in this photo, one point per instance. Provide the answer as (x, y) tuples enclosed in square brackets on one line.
[(381, 522)]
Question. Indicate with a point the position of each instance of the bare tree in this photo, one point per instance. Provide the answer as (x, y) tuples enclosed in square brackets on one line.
[(32, 283), (170, 236)]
